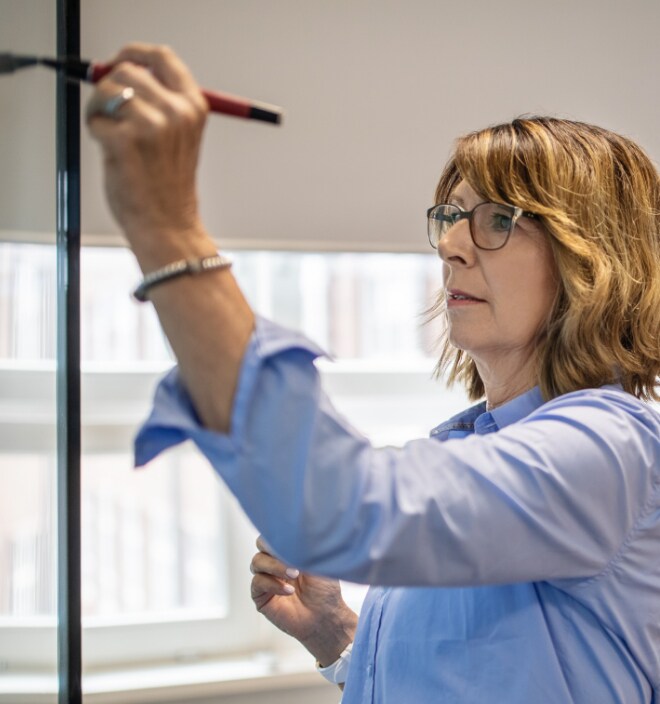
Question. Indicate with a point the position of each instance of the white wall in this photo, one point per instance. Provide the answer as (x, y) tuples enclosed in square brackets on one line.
[(27, 120), (375, 92)]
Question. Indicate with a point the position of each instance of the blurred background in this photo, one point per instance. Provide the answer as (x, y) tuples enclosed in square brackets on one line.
[(325, 218)]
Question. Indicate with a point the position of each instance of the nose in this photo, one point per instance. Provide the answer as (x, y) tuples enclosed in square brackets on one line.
[(456, 246)]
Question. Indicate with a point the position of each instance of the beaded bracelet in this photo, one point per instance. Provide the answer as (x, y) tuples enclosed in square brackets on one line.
[(179, 268)]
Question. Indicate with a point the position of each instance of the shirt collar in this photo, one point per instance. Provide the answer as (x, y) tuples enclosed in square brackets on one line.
[(477, 419), (517, 408)]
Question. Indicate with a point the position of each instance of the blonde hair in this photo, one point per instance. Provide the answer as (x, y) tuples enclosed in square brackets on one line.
[(598, 196)]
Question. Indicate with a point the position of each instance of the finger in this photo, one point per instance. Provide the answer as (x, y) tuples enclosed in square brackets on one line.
[(146, 87), (263, 545), (102, 95), (133, 116), (267, 564), (168, 68), (289, 572), (263, 587)]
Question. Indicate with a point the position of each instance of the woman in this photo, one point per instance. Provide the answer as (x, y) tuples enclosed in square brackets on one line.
[(515, 552)]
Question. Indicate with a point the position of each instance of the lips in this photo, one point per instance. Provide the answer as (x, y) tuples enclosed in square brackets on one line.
[(455, 294)]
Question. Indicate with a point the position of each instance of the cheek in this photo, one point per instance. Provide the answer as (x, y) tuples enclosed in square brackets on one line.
[(547, 285), (533, 315), (525, 295)]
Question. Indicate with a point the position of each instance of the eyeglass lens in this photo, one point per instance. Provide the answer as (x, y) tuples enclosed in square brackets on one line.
[(490, 224)]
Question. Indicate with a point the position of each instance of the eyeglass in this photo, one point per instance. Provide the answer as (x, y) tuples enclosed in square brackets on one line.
[(491, 224)]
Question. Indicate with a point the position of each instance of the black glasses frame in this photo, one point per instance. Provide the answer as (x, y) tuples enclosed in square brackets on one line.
[(461, 214)]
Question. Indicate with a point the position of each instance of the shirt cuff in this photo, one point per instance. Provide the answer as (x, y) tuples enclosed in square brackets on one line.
[(338, 671), (173, 418)]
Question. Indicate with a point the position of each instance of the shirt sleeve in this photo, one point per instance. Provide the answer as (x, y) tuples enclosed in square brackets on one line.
[(554, 496)]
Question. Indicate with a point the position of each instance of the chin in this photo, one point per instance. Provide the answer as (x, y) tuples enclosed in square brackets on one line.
[(463, 342)]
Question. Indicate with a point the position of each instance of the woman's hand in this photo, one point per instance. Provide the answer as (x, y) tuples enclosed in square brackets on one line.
[(308, 608), (151, 143)]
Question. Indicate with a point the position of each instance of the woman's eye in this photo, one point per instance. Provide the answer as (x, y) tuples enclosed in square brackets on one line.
[(501, 222)]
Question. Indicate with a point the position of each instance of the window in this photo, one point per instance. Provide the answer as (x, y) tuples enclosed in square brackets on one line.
[(165, 549)]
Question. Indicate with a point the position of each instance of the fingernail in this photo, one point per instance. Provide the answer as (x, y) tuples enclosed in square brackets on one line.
[(289, 589), (292, 572)]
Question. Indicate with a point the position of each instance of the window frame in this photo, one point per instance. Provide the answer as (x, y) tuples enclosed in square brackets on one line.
[(357, 387), (24, 641), (115, 399)]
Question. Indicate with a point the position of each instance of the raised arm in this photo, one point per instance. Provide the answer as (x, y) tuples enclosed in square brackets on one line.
[(150, 151)]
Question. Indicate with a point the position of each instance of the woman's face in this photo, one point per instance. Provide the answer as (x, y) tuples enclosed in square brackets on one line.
[(511, 291)]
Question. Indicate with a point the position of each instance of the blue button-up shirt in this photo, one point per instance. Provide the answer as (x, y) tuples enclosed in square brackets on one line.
[(517, 551)]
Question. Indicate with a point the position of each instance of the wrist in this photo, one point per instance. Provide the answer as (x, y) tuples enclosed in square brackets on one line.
[(337, 672), (329, 641), (158, 247), (176, 269)]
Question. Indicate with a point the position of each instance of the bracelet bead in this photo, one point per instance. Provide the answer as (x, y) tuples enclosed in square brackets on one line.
[(176, 269)]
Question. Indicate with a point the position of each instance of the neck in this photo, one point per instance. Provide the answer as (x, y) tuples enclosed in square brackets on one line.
[(494, 400), (504, 387)]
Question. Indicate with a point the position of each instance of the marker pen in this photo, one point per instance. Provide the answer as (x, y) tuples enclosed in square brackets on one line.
[(91, 72)]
